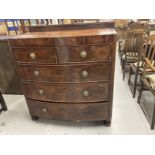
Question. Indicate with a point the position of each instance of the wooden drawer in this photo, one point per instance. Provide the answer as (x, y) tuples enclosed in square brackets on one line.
[(66, 73), (84, 53), (32, 42), (35, 55), (65, 111), (84, 40), (86, 92)]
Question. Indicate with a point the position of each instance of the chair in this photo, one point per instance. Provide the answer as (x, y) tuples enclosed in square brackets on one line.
[(148, 84), (133, 46), (132, 26), (2, 103), (136, 69)]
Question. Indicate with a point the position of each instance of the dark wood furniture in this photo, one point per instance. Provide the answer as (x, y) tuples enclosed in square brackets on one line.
[(67, 75), (137, 69), (132, 49), (147, 108)]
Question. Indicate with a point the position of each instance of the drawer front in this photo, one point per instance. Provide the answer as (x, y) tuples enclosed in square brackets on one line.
[(84, 40), (87, 92), (65, 111), (33, 55), (66, 73), (32, 42), (84, 53)]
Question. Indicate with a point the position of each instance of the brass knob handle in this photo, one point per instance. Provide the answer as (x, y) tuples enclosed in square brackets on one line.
[(36, 73), (44, 109), (84, 74), (83, 54), (40, 91), (85, 93), (101, 85), (32, 56)]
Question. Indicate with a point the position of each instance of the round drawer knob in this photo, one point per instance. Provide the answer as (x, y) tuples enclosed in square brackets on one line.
[(44, 109), (84, 74), (101, 85), (83, 54), (32, 56), (36, 73), (86, 93), (40, 91)]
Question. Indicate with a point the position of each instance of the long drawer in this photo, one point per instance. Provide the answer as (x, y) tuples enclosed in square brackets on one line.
[(66, 111), (65, 73), (86, 53), (35, 55), (49, 42), (86, 92)]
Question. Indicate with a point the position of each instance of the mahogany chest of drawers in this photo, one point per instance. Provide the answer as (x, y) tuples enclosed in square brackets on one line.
[(67, 75)]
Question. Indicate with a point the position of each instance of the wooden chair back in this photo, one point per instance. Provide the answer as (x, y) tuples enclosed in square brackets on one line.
[(148, 46), (137, 25), (149, 52), (36, 21), (14, 25), (143, 26), (134, 42), (23, 24)]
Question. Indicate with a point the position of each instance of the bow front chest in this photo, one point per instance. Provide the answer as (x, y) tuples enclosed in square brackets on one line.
[(67, 75)]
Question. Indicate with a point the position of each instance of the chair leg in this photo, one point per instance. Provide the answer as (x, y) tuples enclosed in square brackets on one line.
[(122, 63), (119, 49), (2, 102), (135, 84), (140, 92), (124, 71), (123, 74), (120, 54), (130, 72), (153, 116)]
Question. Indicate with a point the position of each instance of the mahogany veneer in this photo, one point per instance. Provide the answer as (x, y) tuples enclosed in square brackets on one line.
[(67, 75)]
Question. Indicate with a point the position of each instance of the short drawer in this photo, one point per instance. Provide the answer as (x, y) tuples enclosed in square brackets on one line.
[(66, 73), (65, 111), (39, 55), (86, 92), (32, 42), (84, 53)]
